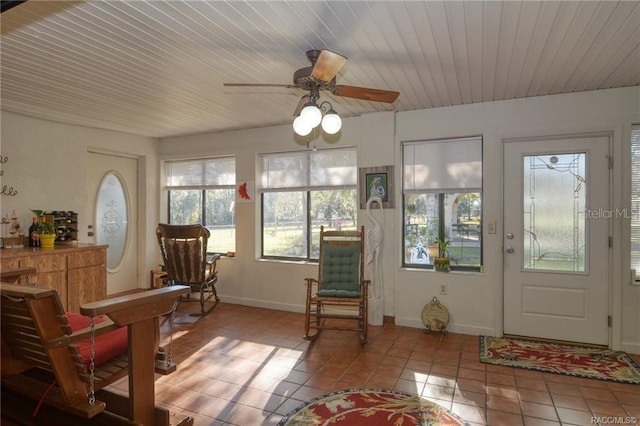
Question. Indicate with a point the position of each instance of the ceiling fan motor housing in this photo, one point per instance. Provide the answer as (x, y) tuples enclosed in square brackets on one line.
[(303, 79)]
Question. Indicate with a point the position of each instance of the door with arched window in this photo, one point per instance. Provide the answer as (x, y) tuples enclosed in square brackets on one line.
[(112, 188)]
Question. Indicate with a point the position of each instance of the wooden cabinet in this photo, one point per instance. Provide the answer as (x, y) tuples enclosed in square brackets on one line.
[(51, 270), (86, 277), (78, 271)]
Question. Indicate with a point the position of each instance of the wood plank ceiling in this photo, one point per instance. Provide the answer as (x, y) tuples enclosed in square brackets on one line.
[(157, 68)]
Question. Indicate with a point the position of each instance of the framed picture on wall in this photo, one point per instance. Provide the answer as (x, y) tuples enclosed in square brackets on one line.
[(376, 181)]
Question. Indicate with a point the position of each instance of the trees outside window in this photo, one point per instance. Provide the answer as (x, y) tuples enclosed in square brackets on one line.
[(442, 198), (202, 191), (301, 191)]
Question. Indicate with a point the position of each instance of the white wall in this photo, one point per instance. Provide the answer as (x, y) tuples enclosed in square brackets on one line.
[(47, 166), (474, 299)]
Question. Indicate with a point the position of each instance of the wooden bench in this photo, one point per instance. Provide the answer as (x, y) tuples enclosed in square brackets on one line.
[(13, 275), (37, 332)]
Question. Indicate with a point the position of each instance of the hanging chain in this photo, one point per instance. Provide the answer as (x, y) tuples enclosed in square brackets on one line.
[(92, 364), (170, 354)]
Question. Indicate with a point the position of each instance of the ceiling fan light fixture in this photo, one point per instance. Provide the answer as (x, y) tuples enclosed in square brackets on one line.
[(331, 123), (301, 127), (311, 116)]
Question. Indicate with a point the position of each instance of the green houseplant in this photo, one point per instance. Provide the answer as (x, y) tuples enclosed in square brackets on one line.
[(47, 230), (442, 262), (432, 243)]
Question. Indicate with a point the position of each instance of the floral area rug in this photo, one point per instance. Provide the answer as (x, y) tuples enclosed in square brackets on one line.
[(370, 407), (576, 361)]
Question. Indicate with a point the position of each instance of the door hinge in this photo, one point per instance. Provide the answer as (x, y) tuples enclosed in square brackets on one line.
[(610, 158), (609, 321), (610, 242)]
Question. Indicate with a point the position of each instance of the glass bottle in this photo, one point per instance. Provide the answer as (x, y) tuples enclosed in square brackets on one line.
[(34, 236)]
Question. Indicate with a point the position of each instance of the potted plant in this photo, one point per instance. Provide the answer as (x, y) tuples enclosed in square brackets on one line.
[(47, 230), (442, 263), (432, 246)]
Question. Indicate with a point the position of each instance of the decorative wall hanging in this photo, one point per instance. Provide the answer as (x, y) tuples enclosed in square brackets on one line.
[(6, 190), (245, 192), (376, 182)]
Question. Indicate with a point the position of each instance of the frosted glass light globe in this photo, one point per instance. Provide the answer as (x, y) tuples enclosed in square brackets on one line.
[(301, 127), (331, 123), (312, 115)]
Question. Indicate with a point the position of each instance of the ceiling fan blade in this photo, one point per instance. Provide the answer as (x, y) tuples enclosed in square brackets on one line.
[(327, 65), (8, 4), (301, 103), (290, 86), (365, 93)]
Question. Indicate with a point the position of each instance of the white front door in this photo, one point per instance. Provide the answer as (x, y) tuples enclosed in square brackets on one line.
[(556, 238), (112, 188)]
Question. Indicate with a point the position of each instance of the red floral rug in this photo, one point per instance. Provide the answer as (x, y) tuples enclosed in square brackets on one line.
[(576, 361), (369, 407)]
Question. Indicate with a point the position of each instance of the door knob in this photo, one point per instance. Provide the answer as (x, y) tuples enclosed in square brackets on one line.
[(510, 249), (90, 234), (510, 235)]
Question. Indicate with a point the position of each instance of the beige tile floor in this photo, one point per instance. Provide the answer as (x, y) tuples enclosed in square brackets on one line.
[(250, 366)]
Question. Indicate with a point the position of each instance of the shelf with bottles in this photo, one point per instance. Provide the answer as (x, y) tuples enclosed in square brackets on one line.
[(66, 223)]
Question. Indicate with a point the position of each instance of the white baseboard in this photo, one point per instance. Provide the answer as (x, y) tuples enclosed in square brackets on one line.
[(259, 303), (630, 347), (452, 327), (405, 322)]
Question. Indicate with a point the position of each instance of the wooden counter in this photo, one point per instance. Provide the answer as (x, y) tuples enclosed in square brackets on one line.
[(77, 271)]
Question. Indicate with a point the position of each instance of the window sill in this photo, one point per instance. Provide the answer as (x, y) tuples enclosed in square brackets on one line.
[(457, 272), (289, 261)]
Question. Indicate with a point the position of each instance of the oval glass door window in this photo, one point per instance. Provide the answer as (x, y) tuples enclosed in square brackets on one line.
[(112, 211)]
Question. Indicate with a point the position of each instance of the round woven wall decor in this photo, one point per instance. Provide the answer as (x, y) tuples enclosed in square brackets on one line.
[(435, 316)]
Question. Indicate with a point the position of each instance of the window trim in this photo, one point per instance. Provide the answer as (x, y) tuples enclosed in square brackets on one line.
[(307, 189), (635, 209), (202, 188), (441, 193)]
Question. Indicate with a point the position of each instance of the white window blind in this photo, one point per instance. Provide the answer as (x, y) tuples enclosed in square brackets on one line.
[(448, 165), (330, 168), (201, 173), (635, 199)]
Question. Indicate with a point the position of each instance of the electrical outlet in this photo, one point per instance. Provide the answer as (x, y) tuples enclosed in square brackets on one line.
[(443, 289)]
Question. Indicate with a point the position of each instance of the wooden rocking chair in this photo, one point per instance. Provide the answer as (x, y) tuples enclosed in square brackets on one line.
[(184, 253), (340, 284), (37, 331)]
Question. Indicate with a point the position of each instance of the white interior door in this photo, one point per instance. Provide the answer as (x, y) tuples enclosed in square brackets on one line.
[(112, 188), (556, 241)]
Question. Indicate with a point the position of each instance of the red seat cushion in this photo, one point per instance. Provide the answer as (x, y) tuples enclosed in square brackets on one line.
[(106, 346)]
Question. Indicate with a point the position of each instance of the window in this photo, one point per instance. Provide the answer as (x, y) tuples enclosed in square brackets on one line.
[(203, 191), (635, 199), (442, 198), (302, 191)]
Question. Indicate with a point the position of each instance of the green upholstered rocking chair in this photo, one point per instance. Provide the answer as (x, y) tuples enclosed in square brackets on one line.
[(184, 253), (340, 291)]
